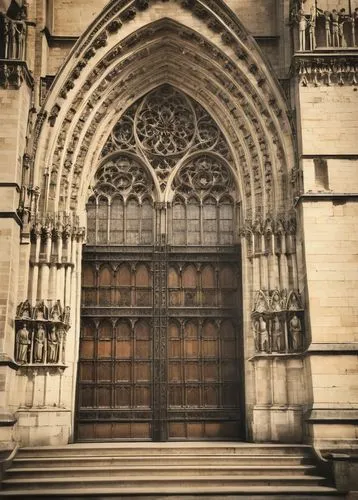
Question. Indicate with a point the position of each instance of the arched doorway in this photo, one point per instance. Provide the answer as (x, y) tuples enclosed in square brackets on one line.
[(161, 328)]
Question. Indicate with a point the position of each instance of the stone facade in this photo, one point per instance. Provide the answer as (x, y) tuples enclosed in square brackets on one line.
[(280, 79)]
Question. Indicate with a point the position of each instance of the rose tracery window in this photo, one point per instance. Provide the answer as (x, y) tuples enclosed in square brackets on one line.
[(162, 128)]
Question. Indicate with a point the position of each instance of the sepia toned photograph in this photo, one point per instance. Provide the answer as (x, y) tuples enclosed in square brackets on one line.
[(179, 249)]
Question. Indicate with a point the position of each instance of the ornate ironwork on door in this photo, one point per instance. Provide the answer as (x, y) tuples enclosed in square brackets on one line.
[(160, 346)]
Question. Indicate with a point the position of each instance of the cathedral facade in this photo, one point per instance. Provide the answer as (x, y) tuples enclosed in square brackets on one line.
[(179, 244)]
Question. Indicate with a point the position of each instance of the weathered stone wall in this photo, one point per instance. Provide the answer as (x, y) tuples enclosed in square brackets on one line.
[(328, 125)]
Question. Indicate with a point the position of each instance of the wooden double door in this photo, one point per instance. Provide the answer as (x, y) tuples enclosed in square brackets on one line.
[(160, 345)]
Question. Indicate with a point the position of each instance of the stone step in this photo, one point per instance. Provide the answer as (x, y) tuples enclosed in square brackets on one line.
[(202, 493), (169, 448), (164, 470), (155, 481), (97, 461)]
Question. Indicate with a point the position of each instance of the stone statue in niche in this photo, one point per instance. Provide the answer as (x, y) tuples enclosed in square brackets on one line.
[(52, 346), (278, 337), (261, 335), (62, 347), (295, 332), (23, 343), (39, 344)]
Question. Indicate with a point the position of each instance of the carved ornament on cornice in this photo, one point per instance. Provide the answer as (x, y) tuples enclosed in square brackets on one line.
[(326, 69)]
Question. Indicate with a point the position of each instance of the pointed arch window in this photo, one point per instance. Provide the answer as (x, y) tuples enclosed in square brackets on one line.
[(203, 207), (121, 210)]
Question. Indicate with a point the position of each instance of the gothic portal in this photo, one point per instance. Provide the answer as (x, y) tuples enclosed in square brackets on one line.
[(161, 334)]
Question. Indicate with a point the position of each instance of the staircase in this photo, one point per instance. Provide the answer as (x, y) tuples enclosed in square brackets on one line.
[(155, 470)]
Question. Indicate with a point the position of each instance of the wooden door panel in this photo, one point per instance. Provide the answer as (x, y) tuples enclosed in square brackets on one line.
[(199, 366)]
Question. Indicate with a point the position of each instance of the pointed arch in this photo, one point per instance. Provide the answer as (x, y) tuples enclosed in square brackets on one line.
[(115, 62)]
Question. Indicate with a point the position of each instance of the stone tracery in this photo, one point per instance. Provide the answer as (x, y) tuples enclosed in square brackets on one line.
[(165, 126)]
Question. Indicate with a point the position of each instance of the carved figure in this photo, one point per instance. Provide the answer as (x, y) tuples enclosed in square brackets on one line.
[(354, 22), (312, 28), (6, 35), (53, 345), (39, 344), (295, 331), (19, 31), (262, 336), (278, 341), (335, 29), (67, 315), (342, 18), (302, 26), (22, 344), (62, 338), (14, 33), (327, 26)]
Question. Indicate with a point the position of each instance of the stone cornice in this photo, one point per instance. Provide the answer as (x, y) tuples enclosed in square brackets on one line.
[(59, 39), (6, 360), (335, 197), (326, 68), (13, 73)]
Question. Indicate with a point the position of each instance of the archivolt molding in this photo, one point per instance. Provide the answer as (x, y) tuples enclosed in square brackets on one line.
[(229, 80)]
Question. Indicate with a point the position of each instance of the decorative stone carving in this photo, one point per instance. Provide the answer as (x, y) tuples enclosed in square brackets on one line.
[(122, 174), (253, 148), (324, 28), (13, 74), (277, 320), (295, 333), (53, 346), (278, 335), (13, 43), (327, 70), (40, 340), (204, 173), (22, 344), (262, 336), (39, 344), (163, 127), (165, 122)]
